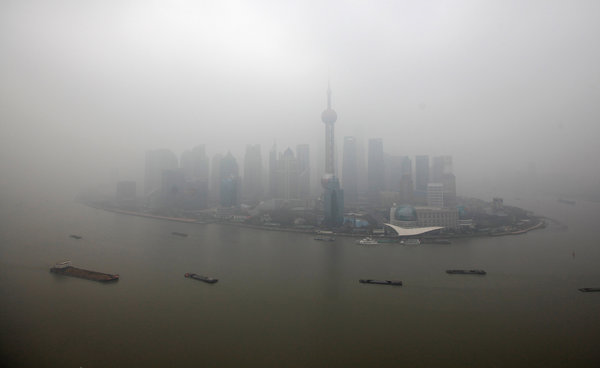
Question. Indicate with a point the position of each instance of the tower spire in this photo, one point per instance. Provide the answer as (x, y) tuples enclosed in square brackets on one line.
[(328, 95)]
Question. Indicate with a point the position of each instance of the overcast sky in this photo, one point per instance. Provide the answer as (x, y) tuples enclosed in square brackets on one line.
[(89, 86)]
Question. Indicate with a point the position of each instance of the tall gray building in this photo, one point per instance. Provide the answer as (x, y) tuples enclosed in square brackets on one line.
[(421, 173), (303, 157), (287, 176), (194, 164), (253, 174), (273, 171), (375, 167), (229, 188), (156, 162), (442, 172), (350, 170), (215, 177)]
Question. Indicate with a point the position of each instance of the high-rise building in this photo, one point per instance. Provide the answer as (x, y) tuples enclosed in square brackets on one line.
[(361, 159), (421, 173), (442, 173), (287, 175), (253, 173), (200, 164), (215, 178), (375, 168), (186, 162), (449, 183), (195, 164), (273, 171), (393, 172), (350, 170), (303, 156), (229, 189), (333, 197), (441, 165), (398, 180), (406, 187), (173, 183), (156, 162), (435, 195)]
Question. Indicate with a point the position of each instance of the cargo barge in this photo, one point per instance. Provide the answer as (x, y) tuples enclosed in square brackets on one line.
[(466, 272), (325, 238), (65, 268), (210, 280), (381, 282), (589, 290)]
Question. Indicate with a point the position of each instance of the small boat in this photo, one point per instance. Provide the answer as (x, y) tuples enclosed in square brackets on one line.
[(75, 236), (411, 242), (368, 241), (183, 235), (566, 201), (466, 272), (325, 238), (381, 282), (589, 290), (210, 280)]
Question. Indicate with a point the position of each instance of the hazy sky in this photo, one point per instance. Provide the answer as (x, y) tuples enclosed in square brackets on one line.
[(88, 86)]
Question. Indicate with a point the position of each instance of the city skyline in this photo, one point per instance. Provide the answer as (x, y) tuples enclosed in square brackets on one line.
[(484, 82)]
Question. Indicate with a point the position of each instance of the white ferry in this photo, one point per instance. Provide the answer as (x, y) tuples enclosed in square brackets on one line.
[(368, 241), (411, 242)]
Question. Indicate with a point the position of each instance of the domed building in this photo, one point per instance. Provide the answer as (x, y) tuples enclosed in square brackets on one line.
[(404, 215), (407, 216)]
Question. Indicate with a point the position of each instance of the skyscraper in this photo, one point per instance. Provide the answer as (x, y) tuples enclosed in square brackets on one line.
[(350, 170), (375, 168), (194, 165), (252, 185), (303, 156), (273, 171), (230, 181), (287, 176), (422, 173), (435, 195), (406, 181), (156, 162), (199, 164), (393, 172), (333, 197), (215, 177), (441, 165), (442, 173)]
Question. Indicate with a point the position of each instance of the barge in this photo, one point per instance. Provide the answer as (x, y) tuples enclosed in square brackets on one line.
[(466, 272), (66, 269), (381, 282), (589, 290), (210, 280), (325, 238)]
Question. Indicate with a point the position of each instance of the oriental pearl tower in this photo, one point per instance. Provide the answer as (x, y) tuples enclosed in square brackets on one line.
[(333, 198)]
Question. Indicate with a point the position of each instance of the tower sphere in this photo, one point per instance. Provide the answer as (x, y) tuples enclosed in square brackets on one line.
[(329, 116)]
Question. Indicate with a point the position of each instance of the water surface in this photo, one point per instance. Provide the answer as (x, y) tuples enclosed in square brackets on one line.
[(286, 300)]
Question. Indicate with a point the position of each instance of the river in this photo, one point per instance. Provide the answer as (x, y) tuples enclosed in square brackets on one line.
[(284, 299)]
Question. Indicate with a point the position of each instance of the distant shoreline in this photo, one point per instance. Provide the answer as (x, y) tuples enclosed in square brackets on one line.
[(541, 224)]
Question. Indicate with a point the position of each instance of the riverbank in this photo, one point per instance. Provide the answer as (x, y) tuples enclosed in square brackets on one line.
[(540, 224)]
